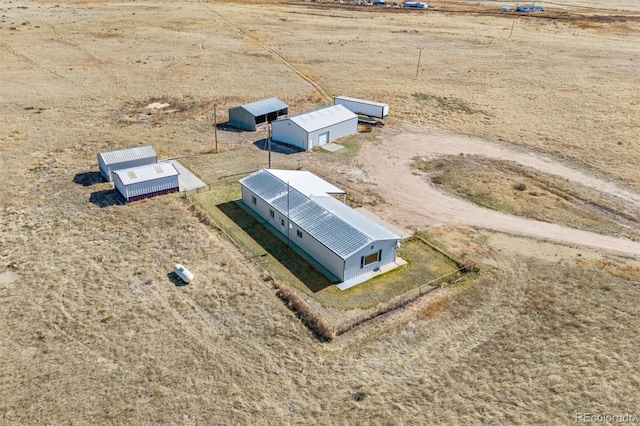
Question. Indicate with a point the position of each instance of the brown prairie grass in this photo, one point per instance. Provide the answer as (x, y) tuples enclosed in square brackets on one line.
[(94, 331), (514, 189)]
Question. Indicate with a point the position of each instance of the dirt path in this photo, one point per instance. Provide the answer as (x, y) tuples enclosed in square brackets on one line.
[(411, 202)]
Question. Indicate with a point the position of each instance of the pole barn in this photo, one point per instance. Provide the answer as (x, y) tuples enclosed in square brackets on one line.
[(257, 115), (125, 158), (147, 181)]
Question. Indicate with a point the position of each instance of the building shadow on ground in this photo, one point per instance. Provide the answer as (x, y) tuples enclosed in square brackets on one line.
[(275, 247), (175, 279), (106, 198), (277, 147), (88, 178), (226, 127)]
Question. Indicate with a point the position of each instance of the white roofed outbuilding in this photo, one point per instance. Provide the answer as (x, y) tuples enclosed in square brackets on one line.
[(146, 181), (125, 158), (300, 207), (315, 128)]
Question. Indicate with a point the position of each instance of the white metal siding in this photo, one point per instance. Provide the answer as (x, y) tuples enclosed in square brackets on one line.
[(286, 131), (241, 118), (142, 188), (352, 267)]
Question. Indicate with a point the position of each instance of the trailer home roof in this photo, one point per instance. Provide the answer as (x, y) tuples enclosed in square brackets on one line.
[(338, 227)]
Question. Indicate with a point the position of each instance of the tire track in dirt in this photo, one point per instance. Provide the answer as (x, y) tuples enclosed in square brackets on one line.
[(103, 65), (33, 62), (412, 202), (317, 87)]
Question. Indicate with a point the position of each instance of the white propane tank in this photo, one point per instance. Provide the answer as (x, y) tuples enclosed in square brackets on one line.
[(183, 273)]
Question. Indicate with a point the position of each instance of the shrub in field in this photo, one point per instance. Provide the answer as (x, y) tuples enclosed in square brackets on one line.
[(520, 186)]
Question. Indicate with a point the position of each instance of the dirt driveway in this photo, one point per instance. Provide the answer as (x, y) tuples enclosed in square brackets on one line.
[(413, 202)]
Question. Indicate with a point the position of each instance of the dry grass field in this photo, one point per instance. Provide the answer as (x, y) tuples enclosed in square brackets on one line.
[(96, 331)]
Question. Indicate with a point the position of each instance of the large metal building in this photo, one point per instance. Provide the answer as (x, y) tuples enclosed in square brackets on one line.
[(315, 128), (257, 114), (146, 181), (299, 206), (125, 158)]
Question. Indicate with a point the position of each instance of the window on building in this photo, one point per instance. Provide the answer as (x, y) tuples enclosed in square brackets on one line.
[(369, 259), (299, 233), (253, 200), (271, 213), (282, 222)]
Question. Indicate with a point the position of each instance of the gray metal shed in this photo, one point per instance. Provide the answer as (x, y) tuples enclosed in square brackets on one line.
[(125, 158), (146, 181), (298, 206), (256, 115)]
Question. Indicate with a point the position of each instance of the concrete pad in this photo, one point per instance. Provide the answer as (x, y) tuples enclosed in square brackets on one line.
[(331, 147), (377, 219), (186, 180), (366, 277)]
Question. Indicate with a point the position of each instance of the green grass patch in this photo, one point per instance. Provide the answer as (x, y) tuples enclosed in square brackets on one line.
[(283, 263)]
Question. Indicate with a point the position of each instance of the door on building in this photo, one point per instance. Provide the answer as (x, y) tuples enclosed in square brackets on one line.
[(323, 138)]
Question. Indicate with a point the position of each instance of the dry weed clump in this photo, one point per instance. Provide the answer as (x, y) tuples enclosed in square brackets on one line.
[(307, 314)]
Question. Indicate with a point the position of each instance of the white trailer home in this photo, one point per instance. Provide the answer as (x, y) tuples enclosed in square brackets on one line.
[(362, 106), (146, 181), (125, 158), (315, 128), (299, 207)]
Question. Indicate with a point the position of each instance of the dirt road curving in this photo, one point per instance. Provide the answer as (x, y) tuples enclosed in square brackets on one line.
[(412, 202)]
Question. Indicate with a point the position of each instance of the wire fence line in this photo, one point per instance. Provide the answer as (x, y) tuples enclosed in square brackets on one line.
[(312, 316), (397, 302)]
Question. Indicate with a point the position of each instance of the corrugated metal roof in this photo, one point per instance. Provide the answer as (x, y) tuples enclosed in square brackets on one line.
[(127, 154), (305, 182), (337, 226), (145, 173), (364, 101), (265, 106), (358, 220), (323, 117)]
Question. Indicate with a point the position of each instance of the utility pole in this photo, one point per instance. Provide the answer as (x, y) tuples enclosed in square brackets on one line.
[(215, 126), (419, 56), (269, 144)]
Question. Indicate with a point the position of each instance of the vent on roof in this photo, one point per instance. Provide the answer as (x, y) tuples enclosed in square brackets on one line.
[(159, 170), (132, 175)]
